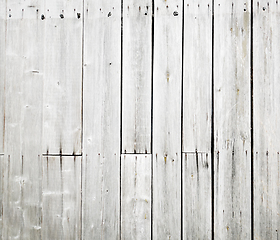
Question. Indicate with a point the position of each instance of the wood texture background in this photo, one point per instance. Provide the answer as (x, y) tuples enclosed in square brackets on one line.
[(151, 119)]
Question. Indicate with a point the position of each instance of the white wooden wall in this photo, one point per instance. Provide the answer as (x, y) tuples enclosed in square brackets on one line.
[(147, 119)]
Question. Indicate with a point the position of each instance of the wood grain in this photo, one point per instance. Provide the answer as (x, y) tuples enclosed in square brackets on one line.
[(266, 119)]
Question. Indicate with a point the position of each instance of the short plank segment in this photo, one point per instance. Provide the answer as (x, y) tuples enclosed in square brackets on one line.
[(1, 192), (137, 65), (102, 96), (197, 84), (23, 122), (61, 199), (232, 108), (197, 211), (136, 196), (167, 85), (62, 76), (266, 119)]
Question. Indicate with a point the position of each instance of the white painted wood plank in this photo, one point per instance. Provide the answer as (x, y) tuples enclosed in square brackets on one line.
[(23, 121), (167, 87), (197, 209), (62, 77), (137, 65), (1, 191), (102, 96), (232, 120), (2, 71), (136, 196), (61, 199), (266, 119), (197, 84)]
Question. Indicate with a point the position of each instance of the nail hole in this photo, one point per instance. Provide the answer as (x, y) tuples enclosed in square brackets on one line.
[(78, 15), (10, 15), (263, 8), (61, 16), (109, 14), (42, 17), (175, 14)]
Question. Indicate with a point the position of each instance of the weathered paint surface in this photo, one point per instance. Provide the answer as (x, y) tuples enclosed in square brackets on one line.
[(197, 209), (62, 58), (167, 85), (136, 196), (266, 57), (72, 84), (137, 76), (102, 95), (232, 159), (61, 198)]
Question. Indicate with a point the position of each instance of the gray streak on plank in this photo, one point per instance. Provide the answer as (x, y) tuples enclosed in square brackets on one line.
[(266, 119), (136, 196), (232, 108), (102, 95), (136, 95), (167, 85)]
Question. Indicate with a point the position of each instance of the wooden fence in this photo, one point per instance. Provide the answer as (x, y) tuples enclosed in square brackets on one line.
[(139, 119)]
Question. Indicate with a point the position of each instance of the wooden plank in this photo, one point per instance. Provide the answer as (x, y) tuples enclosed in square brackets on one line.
[(197, 84), (1, 191), (23, 121), (137, 65), (136, 196), (61, 200), (266, 119), (167, 87), (197, 116), (232, 108), (2, 71), (102, 96), (197, 209), (62, 77)]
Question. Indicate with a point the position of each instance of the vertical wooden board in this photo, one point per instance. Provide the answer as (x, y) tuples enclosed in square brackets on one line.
[(232, 108), (62, 76), (167, 79), (136, 82), (23, 121), (197, 82), (2, 71), (61, 199), (266, 119), (197, 209), (102, 96), (136, 196)]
